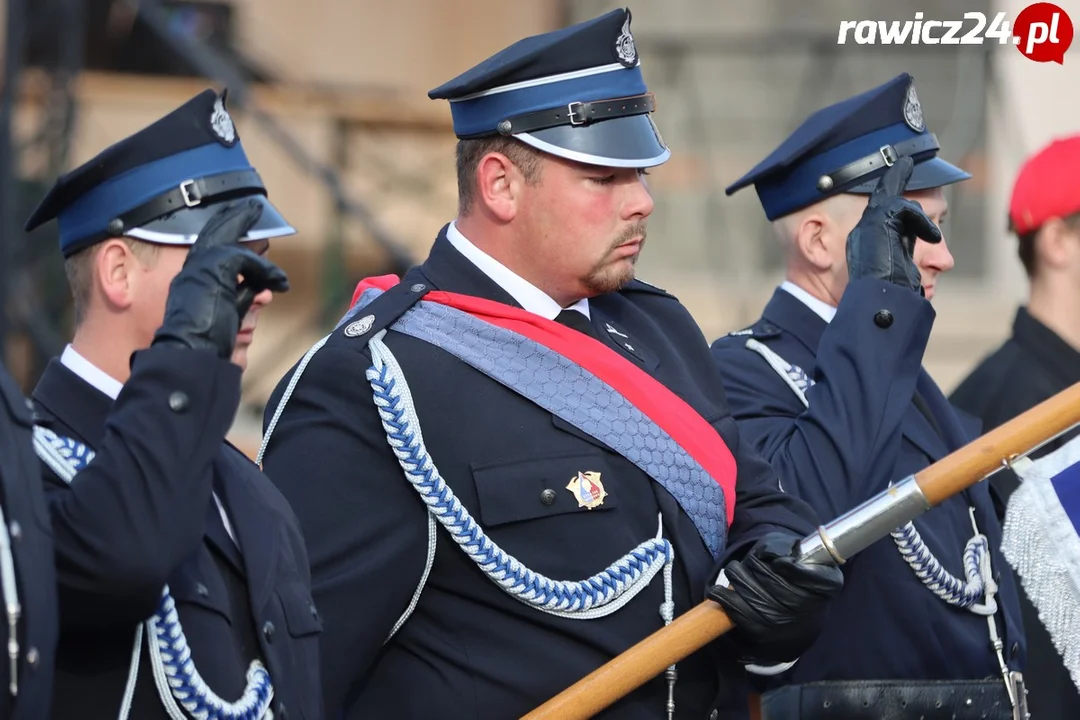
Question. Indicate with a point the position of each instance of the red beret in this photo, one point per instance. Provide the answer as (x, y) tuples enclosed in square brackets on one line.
[(1047, 186)]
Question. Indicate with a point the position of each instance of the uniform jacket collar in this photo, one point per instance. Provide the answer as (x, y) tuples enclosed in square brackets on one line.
[(447, 269), (791, 315), (62, 397)]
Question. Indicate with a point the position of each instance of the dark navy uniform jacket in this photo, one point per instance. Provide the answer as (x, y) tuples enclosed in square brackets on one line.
[(1031, 366), (32, 551), (469, 650), (147, 518), (861, 431)]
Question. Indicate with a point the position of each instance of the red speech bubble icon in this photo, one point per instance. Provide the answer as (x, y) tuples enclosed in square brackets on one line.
[(1043, 32)]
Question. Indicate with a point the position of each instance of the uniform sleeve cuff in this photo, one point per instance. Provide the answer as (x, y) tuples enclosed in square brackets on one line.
[(770, 669)]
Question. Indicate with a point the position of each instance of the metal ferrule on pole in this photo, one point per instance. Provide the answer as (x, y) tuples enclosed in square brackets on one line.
[(866, 524)]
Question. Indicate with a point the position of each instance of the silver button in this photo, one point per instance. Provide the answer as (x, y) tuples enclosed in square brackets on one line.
[(714, 714), (15, 530), (179, 402), (418, 288), (33, 657)]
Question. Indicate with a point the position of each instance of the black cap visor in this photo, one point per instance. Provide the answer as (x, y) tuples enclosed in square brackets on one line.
[(927, 175), (182, 227), (631, 141)]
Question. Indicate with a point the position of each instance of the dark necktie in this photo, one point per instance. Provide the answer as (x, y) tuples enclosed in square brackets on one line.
[(577, 321)]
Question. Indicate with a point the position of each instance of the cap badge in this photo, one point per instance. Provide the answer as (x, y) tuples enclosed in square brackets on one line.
[(221, 123), (587, 489), (913, 115), (624, 45)]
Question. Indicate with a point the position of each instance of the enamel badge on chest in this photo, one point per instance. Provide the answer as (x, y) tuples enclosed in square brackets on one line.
[(588, 489)]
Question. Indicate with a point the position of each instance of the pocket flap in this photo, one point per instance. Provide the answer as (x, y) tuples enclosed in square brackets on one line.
[(201, 586), (530, 489), (301, 615)]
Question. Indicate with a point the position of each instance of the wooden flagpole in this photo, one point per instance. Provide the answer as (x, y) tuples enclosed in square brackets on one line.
[(701, 625)]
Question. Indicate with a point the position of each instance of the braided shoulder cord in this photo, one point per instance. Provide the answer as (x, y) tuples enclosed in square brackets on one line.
[(978, 580), (593, 597)]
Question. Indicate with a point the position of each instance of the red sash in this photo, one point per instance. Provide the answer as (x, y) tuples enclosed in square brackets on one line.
[(670, 412)]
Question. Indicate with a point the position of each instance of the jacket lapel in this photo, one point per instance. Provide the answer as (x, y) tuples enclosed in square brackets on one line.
[(920, 431), (249, 516), (621, 340), (218, 536)]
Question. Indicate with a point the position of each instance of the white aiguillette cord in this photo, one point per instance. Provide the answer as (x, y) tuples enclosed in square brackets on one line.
[(12, 607)]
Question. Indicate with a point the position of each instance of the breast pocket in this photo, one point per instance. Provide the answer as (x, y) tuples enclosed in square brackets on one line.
[(202, 587), (301, 615), (302, 662), (511, 492), (563, 517)]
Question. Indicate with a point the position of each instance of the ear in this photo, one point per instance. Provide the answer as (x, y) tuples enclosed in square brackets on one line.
[(499, 186), (115, 273), (813, 241), (1053, 244)]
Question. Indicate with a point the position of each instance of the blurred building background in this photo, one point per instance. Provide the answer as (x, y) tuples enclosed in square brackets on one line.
[(330, 98)]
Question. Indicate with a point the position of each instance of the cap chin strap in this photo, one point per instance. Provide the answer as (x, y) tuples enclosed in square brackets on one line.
[(884, 157), (577, 113), (188, 194)]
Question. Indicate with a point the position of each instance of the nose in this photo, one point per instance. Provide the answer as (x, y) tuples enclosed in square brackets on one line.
[(262, 299), (639, 204), (936, 256)]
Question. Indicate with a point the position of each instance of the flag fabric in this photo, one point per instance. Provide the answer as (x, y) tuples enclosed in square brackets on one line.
[(1042, 542)]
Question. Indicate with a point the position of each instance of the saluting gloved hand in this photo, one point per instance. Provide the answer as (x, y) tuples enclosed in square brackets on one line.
[(882, 245), (207, 301), (776, 603)]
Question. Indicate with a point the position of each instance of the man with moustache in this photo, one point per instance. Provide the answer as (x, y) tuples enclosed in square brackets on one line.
[(526, 463), (183, 581), (829, 387)]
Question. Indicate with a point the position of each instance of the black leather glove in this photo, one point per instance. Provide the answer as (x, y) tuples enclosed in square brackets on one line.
[(776, 603), (883, 243), (207, 302)]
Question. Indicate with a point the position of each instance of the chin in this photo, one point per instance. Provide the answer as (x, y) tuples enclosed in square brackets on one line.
[(240, 357)]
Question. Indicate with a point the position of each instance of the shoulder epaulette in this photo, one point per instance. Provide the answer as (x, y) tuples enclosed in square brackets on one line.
[(364, 322), (757, 330), (637, 285)]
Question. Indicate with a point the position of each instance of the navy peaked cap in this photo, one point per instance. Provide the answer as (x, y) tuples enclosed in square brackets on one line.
[(846, 147), (161, 184), (577, 92)]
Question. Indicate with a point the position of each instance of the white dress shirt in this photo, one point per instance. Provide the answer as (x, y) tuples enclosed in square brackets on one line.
[(91, 373), (526, 294), (824, 310)]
